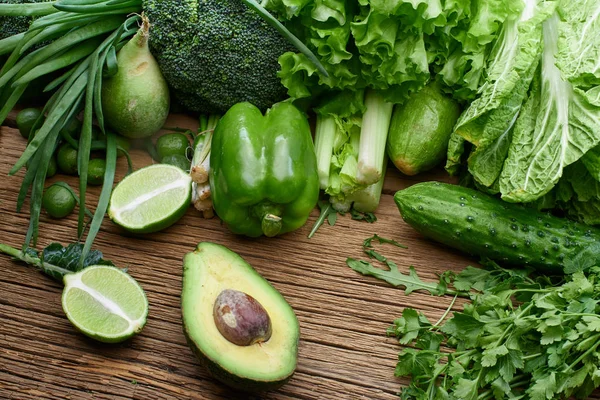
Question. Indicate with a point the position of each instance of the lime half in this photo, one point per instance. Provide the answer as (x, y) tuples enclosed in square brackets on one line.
[(151, 198), (105, 303)]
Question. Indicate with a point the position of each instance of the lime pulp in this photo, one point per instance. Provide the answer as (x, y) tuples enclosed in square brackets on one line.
[(150, 199), (105, 303)]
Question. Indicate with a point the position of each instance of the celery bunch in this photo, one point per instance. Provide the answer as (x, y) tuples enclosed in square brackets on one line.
[(350, 138)]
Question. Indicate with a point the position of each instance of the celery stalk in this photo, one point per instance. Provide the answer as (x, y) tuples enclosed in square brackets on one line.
[(325, 132), (367, 199), (373, 137)]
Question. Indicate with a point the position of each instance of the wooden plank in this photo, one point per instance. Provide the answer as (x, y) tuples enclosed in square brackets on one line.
[(343, 351)]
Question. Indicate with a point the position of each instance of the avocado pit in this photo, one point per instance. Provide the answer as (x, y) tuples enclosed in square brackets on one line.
[(241, 319)]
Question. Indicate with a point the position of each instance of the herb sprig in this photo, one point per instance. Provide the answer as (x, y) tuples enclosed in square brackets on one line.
[(520, 336)]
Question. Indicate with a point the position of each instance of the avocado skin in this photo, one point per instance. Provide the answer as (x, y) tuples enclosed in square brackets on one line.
[(420, 130), (214, 368), (229, 379)]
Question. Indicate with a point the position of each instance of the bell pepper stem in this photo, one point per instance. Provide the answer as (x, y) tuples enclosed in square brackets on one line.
[(271, 225), (269, 215)]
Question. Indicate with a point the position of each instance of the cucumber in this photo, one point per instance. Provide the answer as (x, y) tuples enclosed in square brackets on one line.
[(420, 130), (486, 226)]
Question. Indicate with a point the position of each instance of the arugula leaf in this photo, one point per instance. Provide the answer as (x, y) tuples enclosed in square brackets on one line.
[(55, 260), (358, 216), (368, 242), (393, 276), (327, 213)]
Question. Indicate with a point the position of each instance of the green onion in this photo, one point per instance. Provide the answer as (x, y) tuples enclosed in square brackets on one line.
[(29, 9), (109, 176), (84, 48)]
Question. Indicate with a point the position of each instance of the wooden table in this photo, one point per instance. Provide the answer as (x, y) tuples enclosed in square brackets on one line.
[(344, 352)]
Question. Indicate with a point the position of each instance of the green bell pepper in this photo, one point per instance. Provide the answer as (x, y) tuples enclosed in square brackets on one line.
[(263, 170)]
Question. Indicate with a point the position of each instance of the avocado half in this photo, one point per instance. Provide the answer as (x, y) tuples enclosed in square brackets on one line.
[(209, 270)]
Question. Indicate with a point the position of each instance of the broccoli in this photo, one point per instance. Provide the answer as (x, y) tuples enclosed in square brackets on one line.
[(10, 26), (13, 25), (215, 53)]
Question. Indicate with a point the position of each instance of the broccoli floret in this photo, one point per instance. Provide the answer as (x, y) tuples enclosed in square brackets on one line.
[(215, 53), (13, 25)]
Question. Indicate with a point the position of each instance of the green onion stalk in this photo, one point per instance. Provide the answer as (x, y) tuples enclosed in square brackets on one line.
[(201, 196), (82, 38)]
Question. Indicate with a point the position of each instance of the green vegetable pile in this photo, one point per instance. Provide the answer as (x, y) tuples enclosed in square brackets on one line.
[(378, 54), (520, 336), (117, 83)]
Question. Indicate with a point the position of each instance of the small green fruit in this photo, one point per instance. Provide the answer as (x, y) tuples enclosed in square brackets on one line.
[(420, 130), (96, 170), (58, 201), (177, 160), (135, 101), (25, 120), (66, 159), (172, 144)]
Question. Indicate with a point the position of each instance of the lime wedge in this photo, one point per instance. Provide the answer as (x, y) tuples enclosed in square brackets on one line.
[(151, 198), (105, 303)]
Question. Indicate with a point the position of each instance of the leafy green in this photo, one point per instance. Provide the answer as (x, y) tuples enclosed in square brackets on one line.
[(350, 135), (327, 213), (565, 126), (391, 46), (520, 336), (56, 260), (538, 111), (489, 120)]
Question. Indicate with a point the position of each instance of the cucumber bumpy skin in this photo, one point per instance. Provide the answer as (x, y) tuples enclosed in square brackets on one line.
[(486, 226)]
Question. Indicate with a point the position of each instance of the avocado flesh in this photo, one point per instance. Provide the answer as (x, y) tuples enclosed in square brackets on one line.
[(210, 269)]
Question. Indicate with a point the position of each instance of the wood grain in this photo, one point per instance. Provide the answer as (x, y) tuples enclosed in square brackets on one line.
[(343, 354)]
